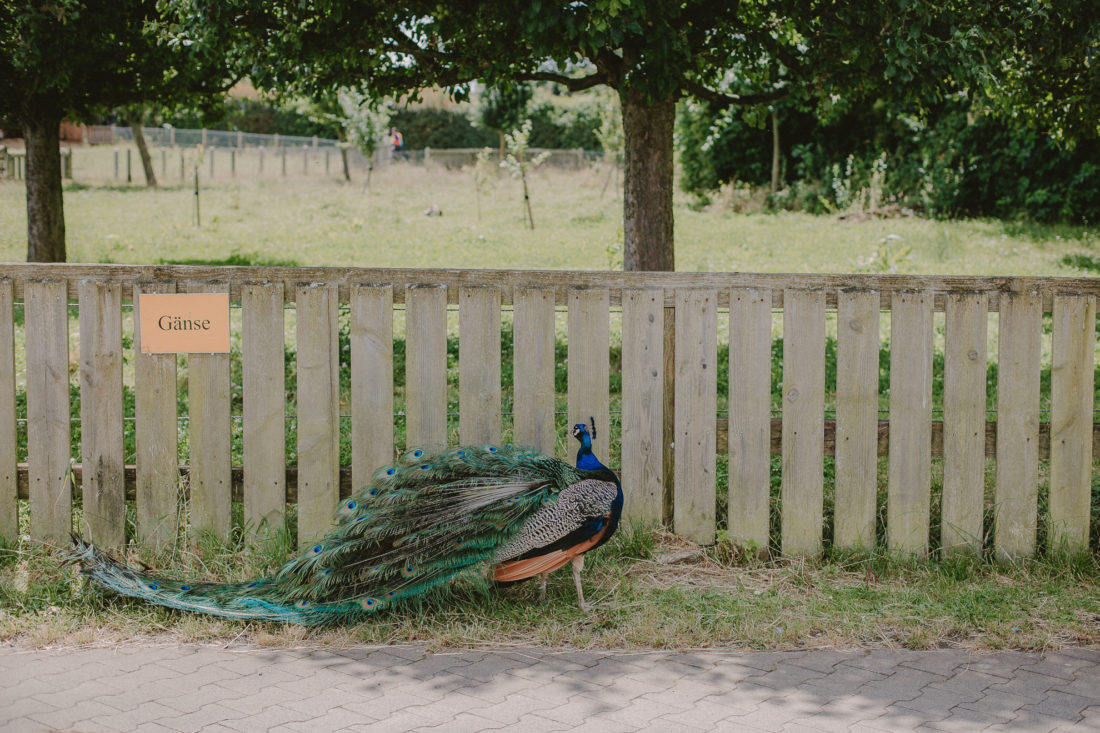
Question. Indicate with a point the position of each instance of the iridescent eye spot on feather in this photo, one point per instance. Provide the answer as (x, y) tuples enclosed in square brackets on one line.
[(301, 604), (254, 585), (373, 492), (417, 453), (351, 506), (389, 472), (408, 571), (492, 449), (153, 586), (326, 571), (185, 587), (391, 594), (368, 604), (425, 467), (316, 549)]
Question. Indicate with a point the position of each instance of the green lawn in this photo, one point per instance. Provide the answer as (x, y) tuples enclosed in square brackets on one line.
[(319, 220)]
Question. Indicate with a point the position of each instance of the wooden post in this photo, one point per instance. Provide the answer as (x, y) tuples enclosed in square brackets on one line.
[(318, 409), (48, 436), (589, 371), (104, 495), (479, 366), (803, 421), (1071, 422), (156, 435), (1018, 364), (116, 164), (643, 381), (964, 402), (129, 168), (533, 356), (211, 477), (9, 503), (371, 381), (749, 442), (856, 419), (426, 366), (908, 497), (264, 419), (696, 413)]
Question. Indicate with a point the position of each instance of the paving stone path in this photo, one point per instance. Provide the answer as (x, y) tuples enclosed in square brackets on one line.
[(405, 688)]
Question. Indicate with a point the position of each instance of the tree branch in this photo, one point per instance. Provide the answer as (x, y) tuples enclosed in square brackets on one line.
[(571, 83), (741, 100)]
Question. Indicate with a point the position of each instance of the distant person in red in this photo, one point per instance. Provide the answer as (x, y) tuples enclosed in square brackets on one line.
[(398, 142)]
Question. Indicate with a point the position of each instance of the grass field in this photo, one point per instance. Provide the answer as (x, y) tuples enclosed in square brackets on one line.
[(319, 220), (713, 597)]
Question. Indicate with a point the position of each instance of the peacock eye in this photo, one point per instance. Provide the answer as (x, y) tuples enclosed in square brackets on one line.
[(185, 587), (417, 453), (351, 505), (152, 586), (390, 471), (316, 549)]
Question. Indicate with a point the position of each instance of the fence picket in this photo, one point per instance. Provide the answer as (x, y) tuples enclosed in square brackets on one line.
[(211, 469), (371, 381), (750, 417), (48, 437), (801, 493), (9, 477), (589, 372), (856, 419), (533, 359), (264, 407), (426, 366), (1074, 346), (104, 498), (318, 409), (156, 435), (964, 402), (1016, 502), (696, 407), (908, 497), (643, 400), (479, 366)]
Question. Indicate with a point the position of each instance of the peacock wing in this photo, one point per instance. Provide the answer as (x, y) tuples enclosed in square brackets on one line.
[(421, 522)]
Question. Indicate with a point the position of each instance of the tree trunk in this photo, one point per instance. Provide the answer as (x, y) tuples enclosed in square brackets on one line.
[(343, 137), (775, 151), (647, 183), (135, 119), (45, 212)]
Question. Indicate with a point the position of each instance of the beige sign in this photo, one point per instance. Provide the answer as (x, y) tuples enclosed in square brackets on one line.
[(179, 323)]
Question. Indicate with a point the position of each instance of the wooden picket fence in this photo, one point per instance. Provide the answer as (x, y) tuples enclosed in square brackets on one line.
[(671, 433)]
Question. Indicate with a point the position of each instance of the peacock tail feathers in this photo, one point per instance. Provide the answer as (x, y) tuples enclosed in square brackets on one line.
[(417, 525)]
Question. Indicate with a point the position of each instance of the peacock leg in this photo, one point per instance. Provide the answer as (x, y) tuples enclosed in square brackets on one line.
[(542, 586), (578, 566)]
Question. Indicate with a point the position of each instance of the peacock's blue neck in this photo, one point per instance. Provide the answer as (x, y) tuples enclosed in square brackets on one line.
[(585, 458)]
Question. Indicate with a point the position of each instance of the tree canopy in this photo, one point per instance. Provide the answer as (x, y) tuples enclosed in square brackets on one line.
[(72, 58)]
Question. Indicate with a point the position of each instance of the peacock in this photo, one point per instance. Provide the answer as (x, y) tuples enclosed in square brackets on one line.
[(510, 512)]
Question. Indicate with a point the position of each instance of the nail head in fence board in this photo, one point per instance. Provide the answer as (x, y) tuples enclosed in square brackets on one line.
[(964, 402), (263, 375), (318, 409), (803, 421), (104, 499), (156, 435), (371, 381), (856, 446), (533, 357), (9, 477), (749, 439), (47, 349), (426, 366), (1072, 376), (643, 401), (211, 480), (910, 473), (479, 366), (1014, 522), (696, 407), (589, 371)]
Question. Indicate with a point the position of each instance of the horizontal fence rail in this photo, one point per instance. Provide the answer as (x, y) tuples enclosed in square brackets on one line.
[(322, 349)]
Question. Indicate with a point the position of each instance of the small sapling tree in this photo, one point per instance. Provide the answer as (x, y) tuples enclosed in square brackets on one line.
[(518, 164)]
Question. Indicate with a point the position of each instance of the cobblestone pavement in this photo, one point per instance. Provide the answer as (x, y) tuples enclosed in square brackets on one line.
[(390, 689)]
